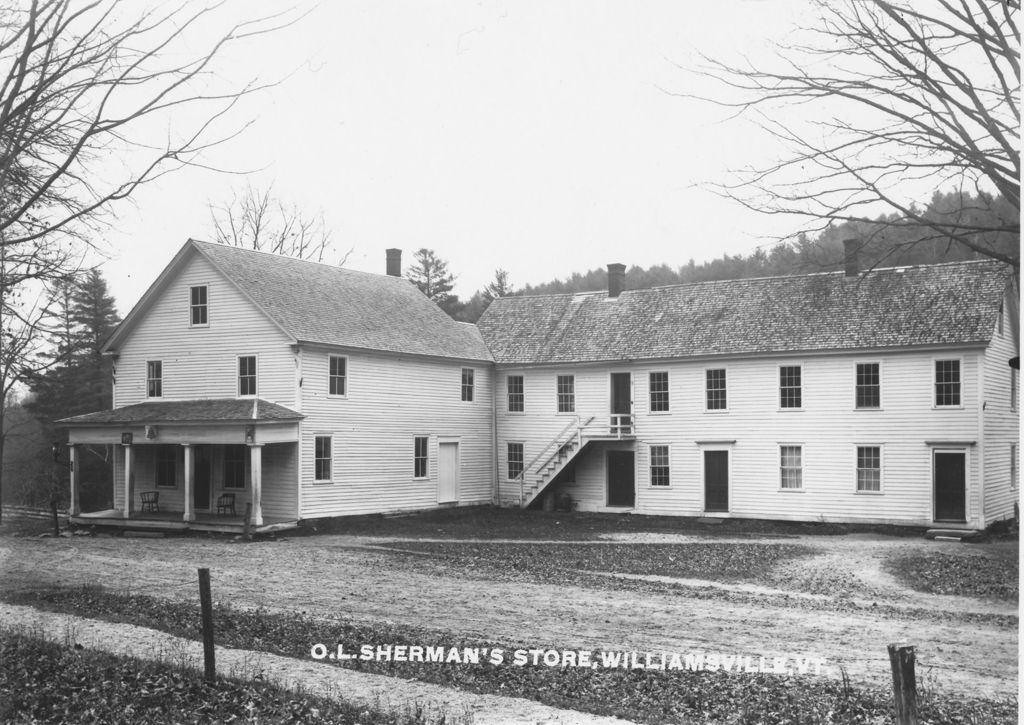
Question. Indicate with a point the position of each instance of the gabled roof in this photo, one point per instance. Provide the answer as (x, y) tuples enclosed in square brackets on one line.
[(216, 410), (942, 304), (322, 304)]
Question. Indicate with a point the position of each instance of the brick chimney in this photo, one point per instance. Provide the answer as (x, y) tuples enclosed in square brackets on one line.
[(616, 279), (850, 249), (394, 267)]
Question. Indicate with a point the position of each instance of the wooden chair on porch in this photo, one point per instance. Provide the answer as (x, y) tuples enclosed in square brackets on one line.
[(226, 504), (150, 501)]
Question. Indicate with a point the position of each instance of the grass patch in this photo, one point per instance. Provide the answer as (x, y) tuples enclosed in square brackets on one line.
[(993, 574), (488, 523), (649, 696), (45, 682)]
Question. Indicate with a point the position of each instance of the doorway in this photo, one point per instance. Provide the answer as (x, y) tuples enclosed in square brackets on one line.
[(201, 483), (949, 471), (448, 472), (621, 479), (716, 481), (621, 403)]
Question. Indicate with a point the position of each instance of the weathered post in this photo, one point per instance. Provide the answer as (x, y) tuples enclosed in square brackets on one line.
[(53, 512), (247, 524), (206, 609), (904, 687)]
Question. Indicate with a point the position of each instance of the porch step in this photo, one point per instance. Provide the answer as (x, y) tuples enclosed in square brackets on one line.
[(951, 534)]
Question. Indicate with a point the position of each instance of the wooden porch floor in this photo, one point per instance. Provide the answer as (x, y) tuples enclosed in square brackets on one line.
[(173, 521)]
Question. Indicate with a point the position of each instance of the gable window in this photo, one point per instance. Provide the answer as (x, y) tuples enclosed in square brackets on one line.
[(322, 458), (154, 379), (566, 385), (516, 395), (419, 457), (197, 308), (515, 461), (791, 467), (659, 466), (165, 474), (659, 392), (467, 384), (247, 375), (790, 389), (234, 466), (715, 389), (869, 385), (947, 382), (337, 375), (869, 468)]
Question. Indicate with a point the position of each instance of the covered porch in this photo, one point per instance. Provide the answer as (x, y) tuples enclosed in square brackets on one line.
[(208, 465)]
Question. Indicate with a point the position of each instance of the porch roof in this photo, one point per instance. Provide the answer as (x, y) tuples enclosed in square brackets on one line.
[(217, 410)]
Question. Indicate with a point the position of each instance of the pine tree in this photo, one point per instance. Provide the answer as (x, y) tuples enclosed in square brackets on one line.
[(430, 274)]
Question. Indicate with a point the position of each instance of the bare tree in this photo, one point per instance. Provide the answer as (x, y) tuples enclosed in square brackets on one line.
[(912, 96), (257, 219)]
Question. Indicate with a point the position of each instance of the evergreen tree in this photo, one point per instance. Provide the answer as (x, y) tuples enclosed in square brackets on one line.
[(430, 274)]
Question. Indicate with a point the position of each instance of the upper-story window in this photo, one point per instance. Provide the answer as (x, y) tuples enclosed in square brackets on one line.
[(790, 387), (516, 394), (659, 392), (247, 375), (467, 384), (715, 389), (869, 385), (154, 379), (337, 375), (566, 388), (947, 382), (197, 308)]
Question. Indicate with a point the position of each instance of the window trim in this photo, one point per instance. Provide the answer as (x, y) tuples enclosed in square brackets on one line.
[(856, 386), (470, 386), (558, 394), (1014, 388), (650, 392), (508, 459), (205, 305), (521, 394), (416, 457), (159, 379), (173, 450), (329, 459), (935, 382), (255, 376), (1014, 468), (725, 409), (881, 470), (782, 469), (778, 371), (331, 376), (667, 466)]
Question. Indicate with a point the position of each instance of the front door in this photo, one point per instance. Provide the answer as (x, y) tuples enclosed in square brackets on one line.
[(621, 403), (950, 474), (716, 481), (447, 472), (621, 479), (201, 482)]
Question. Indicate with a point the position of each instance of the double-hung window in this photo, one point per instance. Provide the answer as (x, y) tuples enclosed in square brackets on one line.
[(516, 394), (715, 389), (419, 457), (566, 388), (467, 384), (337, 375), (869, 468), (322, 458), (659, 392), (660, 474), (154, 379), (869, 386), (947, 383), (198, 310), (791, 467), (515, 460), (790, 387), (246, 375)]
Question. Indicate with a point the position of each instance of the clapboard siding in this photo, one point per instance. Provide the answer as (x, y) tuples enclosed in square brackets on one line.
[(828, 428), (201, 362), (389, 401), (1001, 422)]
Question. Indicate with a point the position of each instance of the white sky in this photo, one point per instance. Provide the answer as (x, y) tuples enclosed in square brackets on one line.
[(532, 135)]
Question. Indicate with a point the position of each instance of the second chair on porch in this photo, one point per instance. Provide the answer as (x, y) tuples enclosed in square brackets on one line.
[(226, 504)]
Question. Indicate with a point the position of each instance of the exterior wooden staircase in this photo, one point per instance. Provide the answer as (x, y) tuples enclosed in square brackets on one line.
[(566, 447)]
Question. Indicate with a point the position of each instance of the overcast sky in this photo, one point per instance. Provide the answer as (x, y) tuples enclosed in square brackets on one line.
[(539, 136)]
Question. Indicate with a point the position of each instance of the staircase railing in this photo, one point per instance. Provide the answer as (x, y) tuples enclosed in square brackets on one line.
[(551, 450)]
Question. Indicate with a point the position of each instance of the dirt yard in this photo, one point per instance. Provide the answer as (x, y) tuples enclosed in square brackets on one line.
[(839, 604)]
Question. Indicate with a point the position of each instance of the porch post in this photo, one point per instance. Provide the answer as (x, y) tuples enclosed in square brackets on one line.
[(190, 472), (74, 508), (127, 480), (256, 469)]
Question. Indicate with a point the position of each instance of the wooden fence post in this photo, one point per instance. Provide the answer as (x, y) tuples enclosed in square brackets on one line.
[(53, 512), (247, 523), (206, 609), (904, 687)]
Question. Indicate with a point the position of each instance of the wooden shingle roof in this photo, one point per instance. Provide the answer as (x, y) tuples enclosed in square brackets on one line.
[(216, 410), (955, 303)]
